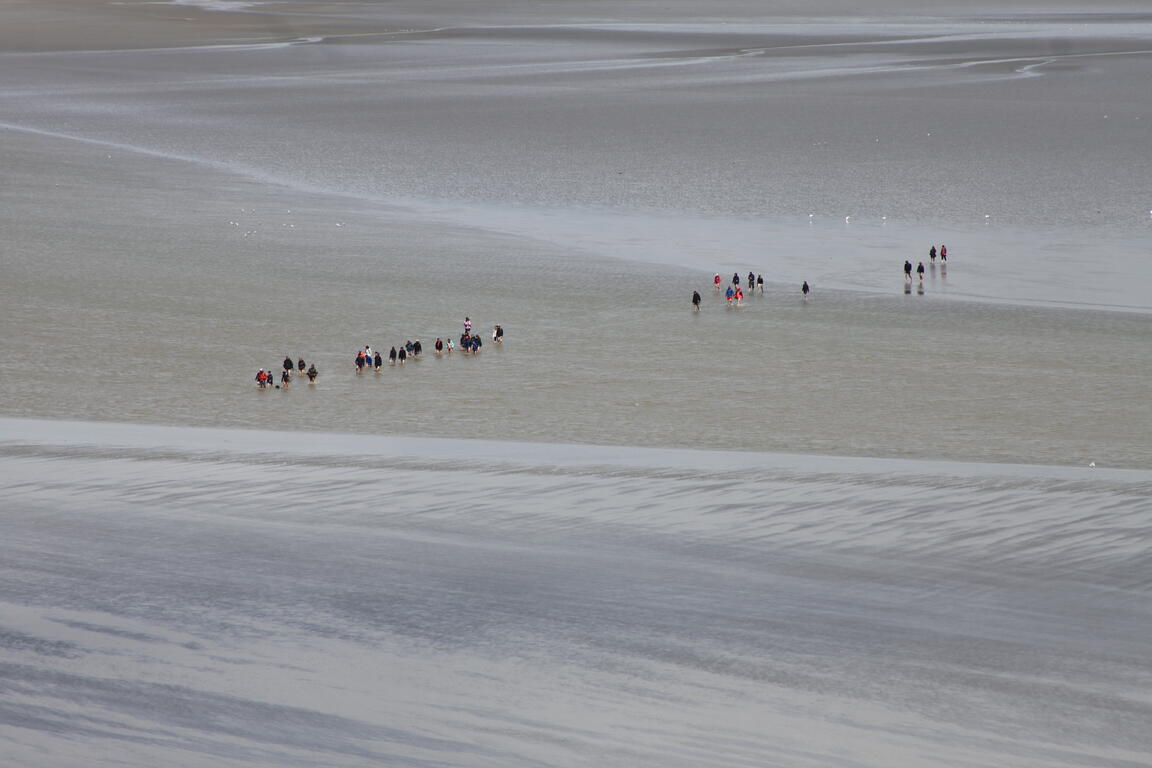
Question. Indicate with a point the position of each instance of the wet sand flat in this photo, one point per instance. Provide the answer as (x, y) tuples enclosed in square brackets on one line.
[(45, 26), (225, 597)]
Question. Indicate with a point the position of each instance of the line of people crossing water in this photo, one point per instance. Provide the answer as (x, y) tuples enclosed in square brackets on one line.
[(267, 378), (470, 344), (734, 293), (368, 358)]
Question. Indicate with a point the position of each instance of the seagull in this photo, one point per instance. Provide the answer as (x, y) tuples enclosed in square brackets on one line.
[(846, 218), (1092, 464)]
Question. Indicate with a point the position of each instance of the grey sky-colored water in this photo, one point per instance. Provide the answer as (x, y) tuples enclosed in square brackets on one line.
[(178, 218)]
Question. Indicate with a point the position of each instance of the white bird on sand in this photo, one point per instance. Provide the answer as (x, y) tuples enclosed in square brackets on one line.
[(846, 218), (1092, 464)]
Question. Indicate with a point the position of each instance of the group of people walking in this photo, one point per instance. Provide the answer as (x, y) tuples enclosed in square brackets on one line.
[(470, 344), (754, 281), (267, 378), (734, 294), (920, 267), (366, 358)]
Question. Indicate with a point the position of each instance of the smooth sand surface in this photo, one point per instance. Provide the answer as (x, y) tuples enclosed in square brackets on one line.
[(232, 598), (84, 25)]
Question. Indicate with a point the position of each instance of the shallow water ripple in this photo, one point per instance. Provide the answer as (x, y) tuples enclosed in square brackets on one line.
[(197, 605)]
